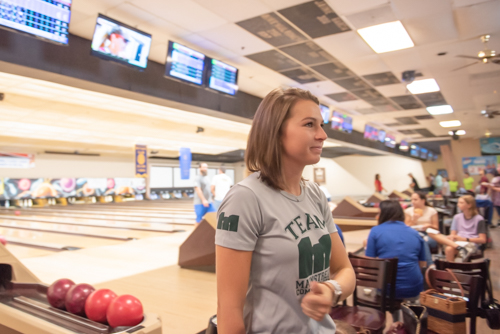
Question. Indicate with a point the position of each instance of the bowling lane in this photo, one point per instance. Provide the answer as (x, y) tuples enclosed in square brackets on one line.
[(22, 252), (64, 240), (82, 229)]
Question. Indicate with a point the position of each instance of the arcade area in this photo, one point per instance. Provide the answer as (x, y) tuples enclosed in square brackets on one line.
[(112, 111)]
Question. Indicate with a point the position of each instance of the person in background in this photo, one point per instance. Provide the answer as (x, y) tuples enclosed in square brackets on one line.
[(430, 181), (202, 198), (445, 190), (467, 226), (414, 184), (378, 184), (484, 179), (468, 182), (221, 183), (494, 189), (453, 186), (392, 238), (422, 216), (438, 183), (325, 191)]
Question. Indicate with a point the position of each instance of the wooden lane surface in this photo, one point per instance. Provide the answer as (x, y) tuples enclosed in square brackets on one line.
[(160, 228), (54, 227), (101, 217), (66, 240), (25, 252), (106, 208)]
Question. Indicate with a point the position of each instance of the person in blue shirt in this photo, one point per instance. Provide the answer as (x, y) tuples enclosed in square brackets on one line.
[(392, 238)]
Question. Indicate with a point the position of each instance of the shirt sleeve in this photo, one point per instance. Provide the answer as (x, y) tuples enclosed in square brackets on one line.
[(481, 227), (327, 214), (197, 182), (214, 180), (371, 247), (422, 256), (454, 223), (239, 220)]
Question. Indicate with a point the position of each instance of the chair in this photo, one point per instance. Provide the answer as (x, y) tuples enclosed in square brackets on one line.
[(443, 282), (370, 273), (471, 268)]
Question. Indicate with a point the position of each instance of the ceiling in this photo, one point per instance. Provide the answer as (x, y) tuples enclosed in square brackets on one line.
[(274, 46)]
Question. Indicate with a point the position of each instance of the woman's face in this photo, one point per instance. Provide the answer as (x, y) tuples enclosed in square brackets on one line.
[(302, 134), (416, 201), (462, 205)]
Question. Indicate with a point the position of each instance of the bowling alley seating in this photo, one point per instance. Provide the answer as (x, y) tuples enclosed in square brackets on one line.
[(198, 250), (443, 282), (376, 198), (370, 273), (397, 195), (349, 208), (408, 192)]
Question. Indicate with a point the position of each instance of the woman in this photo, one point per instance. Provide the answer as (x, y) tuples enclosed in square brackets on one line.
[(392, 238), (280, 262), (467, 226), (483, 179), (378, 184), (494, 188)]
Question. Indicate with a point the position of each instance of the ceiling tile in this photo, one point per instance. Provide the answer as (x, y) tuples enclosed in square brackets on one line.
[(323, 87), (280, 4), (207, 47), (432, 99), (405, 9), (352, 83), (373, 16), (274, 60), (235, 39), (466, 3), (424, 117), (93, 7), (308, 53), (367, 111), (403, 60), (393, 90), (407, 102), (302, 75), (381, 79), (130, 14), (354, 105), (334, 70), (368, 94), (235, 10), (272, 29), (342, 97), (345, 46), (315, 18), (478, 20), (406, 120), (392, 124), (366, 64), (425, 133), (343, 7), (389, 107), (408, 132), (431, 28)]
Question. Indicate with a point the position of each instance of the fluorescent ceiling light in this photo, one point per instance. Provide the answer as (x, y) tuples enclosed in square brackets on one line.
[(440, 110), (386, 37), (423, 86), (458, 133), (413, 146), (450, 124)]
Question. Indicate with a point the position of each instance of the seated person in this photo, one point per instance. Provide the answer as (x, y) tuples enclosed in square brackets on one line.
[(467, 226), (393, 238), (422, 216)]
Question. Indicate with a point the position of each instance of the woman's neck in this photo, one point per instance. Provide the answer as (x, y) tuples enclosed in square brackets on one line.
[(292, 175), (467, 214)]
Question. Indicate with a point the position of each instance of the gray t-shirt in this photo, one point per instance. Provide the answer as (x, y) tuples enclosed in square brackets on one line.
[(202, 182), (290, 240)]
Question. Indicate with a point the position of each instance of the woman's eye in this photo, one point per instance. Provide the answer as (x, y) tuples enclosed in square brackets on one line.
[(322, 125), (309, 124)]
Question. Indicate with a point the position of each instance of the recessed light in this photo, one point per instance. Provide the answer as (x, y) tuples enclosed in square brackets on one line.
[(423, 86), (440, 110), (386, 37), (457, 132), (450, 124)]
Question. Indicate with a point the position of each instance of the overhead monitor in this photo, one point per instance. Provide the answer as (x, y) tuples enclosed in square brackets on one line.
[(185, 63), (47, 19), (381, 136), (337, 121), (119, 42), (415, 151), (390, 141), (434, 157), (222, 77), (371, 133), (403, 146), (423, 153), (325, 113), (347, 124)]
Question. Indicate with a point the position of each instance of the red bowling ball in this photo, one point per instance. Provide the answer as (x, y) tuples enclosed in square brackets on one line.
[(17, 213), (3, 241), (56, 294), (76, 298), (125, 310), (97, 304)]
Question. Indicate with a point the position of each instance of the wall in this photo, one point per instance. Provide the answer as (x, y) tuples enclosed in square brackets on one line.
[(463, 148), (350, 175), (433, 166)]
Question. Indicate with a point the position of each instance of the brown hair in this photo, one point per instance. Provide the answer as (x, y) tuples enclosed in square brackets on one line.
[(472, 202), (390, 211), (264, 148), (423, 196)]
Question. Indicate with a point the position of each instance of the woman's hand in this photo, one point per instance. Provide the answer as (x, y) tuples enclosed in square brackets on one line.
[(317, 302)]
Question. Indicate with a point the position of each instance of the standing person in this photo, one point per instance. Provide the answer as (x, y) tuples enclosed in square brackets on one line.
[(221, 183), (445, 190), (468, 182), (494, 187), (392, 238), (378, 184), (430, 180), (202, 198), (438, 183), (484, 179), (453, 187), (414, 183), (280, 262)]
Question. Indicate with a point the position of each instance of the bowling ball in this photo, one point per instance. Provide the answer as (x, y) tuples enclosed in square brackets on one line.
[(56, 294), (3, 241), (97, 304), (17, 212), (111, 183), (125, 310), (76, 298), (24, 184), (67, 184)]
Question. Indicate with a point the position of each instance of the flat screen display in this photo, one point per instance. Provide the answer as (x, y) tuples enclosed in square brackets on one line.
[(337, 121), (403, 146), (390, 141), (325, 113), (185, 63), (415, 151), (222, 77), (48, 19), (381, 136), (347, 124), (371, 133), (423, 153), (118, 42)]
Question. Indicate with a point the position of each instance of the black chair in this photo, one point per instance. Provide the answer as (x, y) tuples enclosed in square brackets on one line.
[(370, 273), (444, 282)]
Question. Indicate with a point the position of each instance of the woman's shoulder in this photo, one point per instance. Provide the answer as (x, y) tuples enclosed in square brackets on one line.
[(409, 210), (431, 210)]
